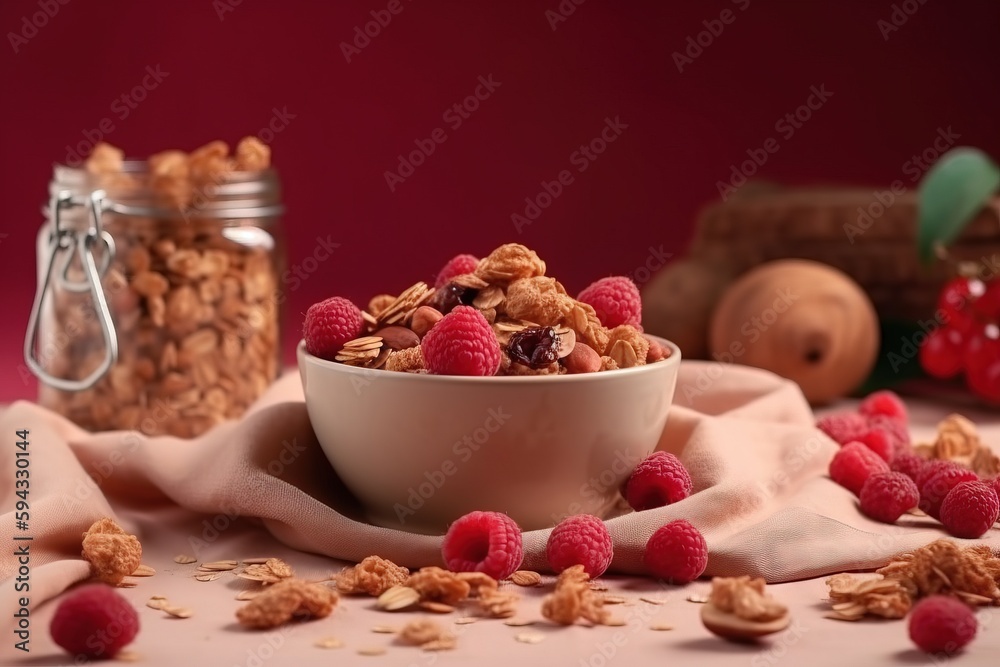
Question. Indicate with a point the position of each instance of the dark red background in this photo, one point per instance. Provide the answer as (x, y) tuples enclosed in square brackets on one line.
[(607, 59)]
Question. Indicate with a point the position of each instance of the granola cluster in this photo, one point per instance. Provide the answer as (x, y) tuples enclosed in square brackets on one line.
[(525, 308), (112, 553), (428, 635), (372, 576), (958, 440), (853, 597), (287, 600), (745, 597), (573, 599)]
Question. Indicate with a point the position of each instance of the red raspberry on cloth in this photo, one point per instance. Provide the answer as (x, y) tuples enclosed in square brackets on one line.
[(659, 479), (970, 509), (488, 542), (854, 464), (581, 539), (676, 552), (615, 299), (942, 624), (461, 343), (885, 403), (879, 441), (896, 429), (908, 464), (931, 468), (329, 324), (457, 266), (94, 621), (843, 427), (886, 496), (937, 487)]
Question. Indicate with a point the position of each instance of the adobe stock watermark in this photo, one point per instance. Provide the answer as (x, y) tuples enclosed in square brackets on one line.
[(779, 647), (120, 108), (363, 35), (562, 12), (787, 125), (454, 116), (751, 330), (32, 23), (581, 158), (915, 168), (696, 44), (901, 13), (463, 451)]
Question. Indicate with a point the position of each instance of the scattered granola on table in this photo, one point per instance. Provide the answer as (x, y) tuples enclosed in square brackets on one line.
[(940, 568), (958, 440), (428, 635), (573, 599), (372, 576), (739, 609)]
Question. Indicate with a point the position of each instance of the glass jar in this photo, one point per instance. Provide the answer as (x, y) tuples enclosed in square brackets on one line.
[(153, 318)]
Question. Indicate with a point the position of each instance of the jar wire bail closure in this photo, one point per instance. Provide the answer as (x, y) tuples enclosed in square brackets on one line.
[(64, 239)]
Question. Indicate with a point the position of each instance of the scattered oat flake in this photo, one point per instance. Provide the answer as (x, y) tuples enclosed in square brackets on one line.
[(698, 599), (653, 600), (127, 656), (465, 620), (207, 576), (385, 629), (177, 612), (219, 565), (156, 603), (660, 626), (127, 583), (184, 559), (615, 622), (255, 561), (445, 644), (371, 650), (614, 599), (328, 642), (436, 607), (143, 571), (519, 622), (529, 637), (245, 596)]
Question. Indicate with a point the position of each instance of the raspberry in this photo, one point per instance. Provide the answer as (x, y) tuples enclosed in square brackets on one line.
[(676, 552), (931, 468), (461, 343), (885, 403), (843, 427), (942, 624), (456, 266), (897, 430), (581, 539), (94, 621), (329, 324), (854, 464), (488, 542), (887, 495), (616, 301), (970, 509), (659, 479), (879, 441), (908, 464), (934, 490)]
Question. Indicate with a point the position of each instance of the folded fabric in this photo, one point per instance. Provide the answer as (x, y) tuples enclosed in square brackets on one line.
[(761, 494)]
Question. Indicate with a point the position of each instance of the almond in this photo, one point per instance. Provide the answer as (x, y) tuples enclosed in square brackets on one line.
[(423, 319), (398, 338)]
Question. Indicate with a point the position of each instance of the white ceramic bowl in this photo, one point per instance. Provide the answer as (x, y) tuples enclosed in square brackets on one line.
[(421, 450)]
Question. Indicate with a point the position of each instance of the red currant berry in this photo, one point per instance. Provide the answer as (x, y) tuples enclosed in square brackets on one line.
[(982, 364), (941, 355), (987, 307), (955, 300)]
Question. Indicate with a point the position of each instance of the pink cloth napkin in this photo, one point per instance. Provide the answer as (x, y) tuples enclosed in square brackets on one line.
[(762, 497)]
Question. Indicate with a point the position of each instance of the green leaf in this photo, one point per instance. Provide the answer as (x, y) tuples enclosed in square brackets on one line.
[(951, 194)]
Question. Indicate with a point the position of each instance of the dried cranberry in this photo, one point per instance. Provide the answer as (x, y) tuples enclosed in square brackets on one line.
[(451, 295), (535, 347)]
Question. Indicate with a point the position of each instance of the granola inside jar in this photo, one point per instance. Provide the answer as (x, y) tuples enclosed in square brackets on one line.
[(158, 305)]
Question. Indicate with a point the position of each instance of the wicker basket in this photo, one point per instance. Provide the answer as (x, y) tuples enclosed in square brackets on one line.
[(848, 228)]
